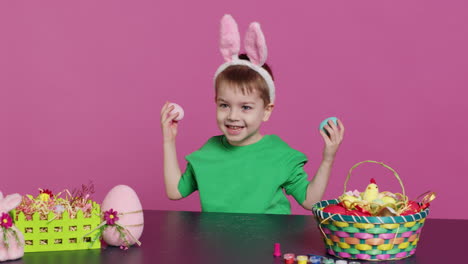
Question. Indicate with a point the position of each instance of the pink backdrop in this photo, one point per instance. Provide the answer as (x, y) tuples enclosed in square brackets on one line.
[(82, 84)]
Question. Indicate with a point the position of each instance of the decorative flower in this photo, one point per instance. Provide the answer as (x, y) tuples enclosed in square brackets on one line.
[(111, 216), (124, 247), (45, 195), (5, 221)]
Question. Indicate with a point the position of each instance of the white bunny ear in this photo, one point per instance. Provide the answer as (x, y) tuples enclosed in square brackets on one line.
[(1, 196), (255, 44), (11, 201), (230, 40)]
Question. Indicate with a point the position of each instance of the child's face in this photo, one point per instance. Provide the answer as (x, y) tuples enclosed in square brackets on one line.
[(239, 116)]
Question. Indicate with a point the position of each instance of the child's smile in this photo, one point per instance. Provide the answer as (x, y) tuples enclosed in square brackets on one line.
[(234, 130)]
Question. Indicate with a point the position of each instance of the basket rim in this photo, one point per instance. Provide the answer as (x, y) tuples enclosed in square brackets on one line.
[(364, 219)]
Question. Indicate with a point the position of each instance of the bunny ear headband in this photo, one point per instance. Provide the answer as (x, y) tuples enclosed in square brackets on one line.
[(255, 47)]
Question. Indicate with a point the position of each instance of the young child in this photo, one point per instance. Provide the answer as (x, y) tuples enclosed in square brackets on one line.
[(242, 170)]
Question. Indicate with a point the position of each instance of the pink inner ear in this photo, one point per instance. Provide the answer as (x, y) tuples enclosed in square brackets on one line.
[(230, 40), (255, 44)]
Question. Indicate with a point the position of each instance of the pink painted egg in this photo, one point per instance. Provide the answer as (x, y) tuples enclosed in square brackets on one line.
[(177, 109), (124, 200)]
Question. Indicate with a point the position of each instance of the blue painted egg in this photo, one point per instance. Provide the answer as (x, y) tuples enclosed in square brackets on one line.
[(325, 122)]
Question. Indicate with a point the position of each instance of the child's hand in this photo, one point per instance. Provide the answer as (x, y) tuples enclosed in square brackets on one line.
[(168, 124), (332, 142)]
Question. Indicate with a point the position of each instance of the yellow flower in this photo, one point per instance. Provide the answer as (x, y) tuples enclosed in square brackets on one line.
[(44, 197)]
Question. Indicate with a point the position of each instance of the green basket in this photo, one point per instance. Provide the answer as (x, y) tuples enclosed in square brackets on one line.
[(51, 234), (369, 237)]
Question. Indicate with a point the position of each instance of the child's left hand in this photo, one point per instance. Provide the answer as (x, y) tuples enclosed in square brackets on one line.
[(332, 142)]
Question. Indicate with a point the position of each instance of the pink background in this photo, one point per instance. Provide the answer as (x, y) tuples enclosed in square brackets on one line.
[(82, 84)]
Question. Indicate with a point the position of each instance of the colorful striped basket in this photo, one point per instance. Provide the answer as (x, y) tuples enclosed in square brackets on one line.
[(369, 237)]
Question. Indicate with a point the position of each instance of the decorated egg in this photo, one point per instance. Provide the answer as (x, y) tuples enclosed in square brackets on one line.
[(122, 207), (177, 109), (325, 122)]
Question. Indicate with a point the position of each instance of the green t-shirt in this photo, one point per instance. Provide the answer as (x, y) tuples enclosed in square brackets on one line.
[(246, 179)]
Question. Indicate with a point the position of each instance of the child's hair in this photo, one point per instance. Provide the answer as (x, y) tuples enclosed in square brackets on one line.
[(245, 79)]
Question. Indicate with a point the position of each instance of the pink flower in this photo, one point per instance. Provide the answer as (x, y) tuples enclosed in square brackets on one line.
[(123, 247), (111, 216), (5, 221)]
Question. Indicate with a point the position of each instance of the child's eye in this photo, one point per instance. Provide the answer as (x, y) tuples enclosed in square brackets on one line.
[(246, 107), (223, 105)]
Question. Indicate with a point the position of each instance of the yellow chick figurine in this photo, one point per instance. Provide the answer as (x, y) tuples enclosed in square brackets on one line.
[(372, 191)]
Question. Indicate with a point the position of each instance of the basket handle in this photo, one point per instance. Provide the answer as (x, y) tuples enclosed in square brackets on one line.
[(377, 162)]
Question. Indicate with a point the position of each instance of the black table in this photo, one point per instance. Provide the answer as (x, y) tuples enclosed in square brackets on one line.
[(222, 238)]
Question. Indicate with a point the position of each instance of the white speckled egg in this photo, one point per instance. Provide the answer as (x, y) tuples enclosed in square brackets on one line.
[(124, 200)]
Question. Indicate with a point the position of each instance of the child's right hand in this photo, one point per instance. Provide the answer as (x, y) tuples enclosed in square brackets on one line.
[(333, 139), (168, 124)]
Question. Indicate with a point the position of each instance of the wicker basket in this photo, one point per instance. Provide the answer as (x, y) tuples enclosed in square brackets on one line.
[(369, 237), (54, 234)]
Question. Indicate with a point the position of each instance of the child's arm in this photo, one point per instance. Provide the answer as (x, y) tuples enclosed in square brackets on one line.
[(172, 171), (317, 185)]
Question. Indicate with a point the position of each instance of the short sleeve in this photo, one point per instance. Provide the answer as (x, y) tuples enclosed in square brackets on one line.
[(187, 183), (297, 183)]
